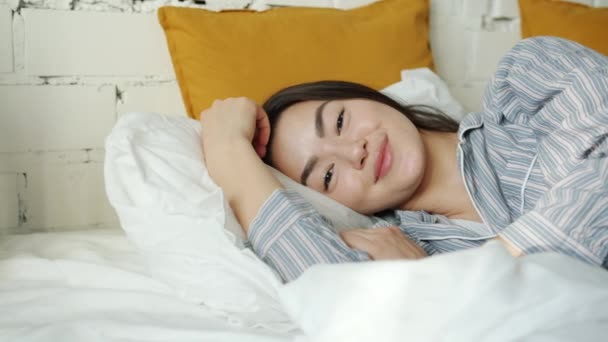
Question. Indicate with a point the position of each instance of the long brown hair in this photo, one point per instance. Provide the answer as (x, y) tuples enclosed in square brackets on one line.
[(422, 116)]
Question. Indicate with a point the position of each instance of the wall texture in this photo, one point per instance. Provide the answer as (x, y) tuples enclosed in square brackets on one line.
[(69, 68)]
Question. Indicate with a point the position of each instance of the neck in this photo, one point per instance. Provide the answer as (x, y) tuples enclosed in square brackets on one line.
[(441, 190)]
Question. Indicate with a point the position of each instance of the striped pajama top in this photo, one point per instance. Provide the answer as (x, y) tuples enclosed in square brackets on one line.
[(534, 163)]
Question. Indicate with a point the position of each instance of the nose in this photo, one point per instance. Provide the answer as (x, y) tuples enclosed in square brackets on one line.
[(353, 152)]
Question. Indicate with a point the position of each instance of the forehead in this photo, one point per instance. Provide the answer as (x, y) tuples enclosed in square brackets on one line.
[(294, 138), (301, 110)]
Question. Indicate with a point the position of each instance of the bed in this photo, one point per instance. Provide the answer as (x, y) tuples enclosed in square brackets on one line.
[(178, 267)]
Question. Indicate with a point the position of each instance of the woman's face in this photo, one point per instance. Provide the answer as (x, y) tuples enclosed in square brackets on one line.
[(363, 154)]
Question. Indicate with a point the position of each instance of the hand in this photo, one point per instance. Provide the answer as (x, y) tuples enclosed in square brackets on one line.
[(233, 119), (383, 243), (510, 247)]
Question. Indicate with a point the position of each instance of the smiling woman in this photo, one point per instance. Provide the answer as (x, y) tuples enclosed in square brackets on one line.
[(517, 172), (350, 142)]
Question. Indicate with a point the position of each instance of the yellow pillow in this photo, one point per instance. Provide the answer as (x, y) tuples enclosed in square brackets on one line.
[(581, 23), (253, 54)]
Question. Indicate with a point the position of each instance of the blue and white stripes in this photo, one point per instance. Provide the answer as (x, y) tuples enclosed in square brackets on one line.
[(535, 164), (545, 107), (290, 235)]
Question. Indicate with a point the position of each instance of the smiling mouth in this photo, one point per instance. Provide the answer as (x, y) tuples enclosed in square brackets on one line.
[(383, 161)]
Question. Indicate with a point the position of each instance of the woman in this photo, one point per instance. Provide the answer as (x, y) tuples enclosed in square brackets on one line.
[(531, 170)]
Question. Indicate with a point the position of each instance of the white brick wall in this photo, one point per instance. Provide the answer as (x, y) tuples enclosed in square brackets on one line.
[(9, 208), (109, 44), (6, 39), (41, 118), (53, 190), (69, 68), (160, 98)]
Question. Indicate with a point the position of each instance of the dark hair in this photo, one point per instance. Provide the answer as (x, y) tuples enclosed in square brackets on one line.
[(422, 116)]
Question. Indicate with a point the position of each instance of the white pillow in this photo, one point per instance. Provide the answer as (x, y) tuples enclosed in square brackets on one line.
[(422, 86)]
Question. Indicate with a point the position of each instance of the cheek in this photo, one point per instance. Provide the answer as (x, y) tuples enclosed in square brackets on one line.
[(350, 191)]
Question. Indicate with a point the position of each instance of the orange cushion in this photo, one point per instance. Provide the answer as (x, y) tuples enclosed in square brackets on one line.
[(254, 54), (580, 23)]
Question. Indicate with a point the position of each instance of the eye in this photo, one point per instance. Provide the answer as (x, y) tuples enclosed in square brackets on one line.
[(340, 121), (328, 176)]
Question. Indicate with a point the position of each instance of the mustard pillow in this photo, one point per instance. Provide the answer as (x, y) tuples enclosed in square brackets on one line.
[(254, 54), (580, 23)]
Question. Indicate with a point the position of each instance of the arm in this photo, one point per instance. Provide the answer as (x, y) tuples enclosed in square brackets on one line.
[(284, 229), (559, 89), (290, 235), (234, 163), (571, 218)]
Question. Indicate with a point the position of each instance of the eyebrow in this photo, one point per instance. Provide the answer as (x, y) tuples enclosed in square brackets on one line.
[(310, 165), (319, 120), (319, 130)]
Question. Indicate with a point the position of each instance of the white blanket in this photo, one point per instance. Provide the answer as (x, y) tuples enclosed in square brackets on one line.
[(94, 286), (482, 294)]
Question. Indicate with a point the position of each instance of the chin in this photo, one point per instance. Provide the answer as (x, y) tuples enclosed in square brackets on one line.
[(379, 206), (369, 207), (400, 193)]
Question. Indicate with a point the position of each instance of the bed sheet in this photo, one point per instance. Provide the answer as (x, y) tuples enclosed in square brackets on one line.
[(94, 286)]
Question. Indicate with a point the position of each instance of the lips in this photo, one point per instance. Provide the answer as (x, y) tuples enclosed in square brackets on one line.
[(383, 161)]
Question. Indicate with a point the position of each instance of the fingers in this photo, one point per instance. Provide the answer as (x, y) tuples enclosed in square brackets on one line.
[(233, 118), (354, 235), (383, 243), (262, 124), (371, 233), (376, 242), (260, 151), (262, 132), (509, 246), (358, 239)]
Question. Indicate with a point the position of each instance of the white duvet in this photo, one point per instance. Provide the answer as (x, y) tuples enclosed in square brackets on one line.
[(94, 286)]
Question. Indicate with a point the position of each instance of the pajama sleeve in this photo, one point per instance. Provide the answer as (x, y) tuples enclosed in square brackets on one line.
[(559, 89), (290, 235)]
